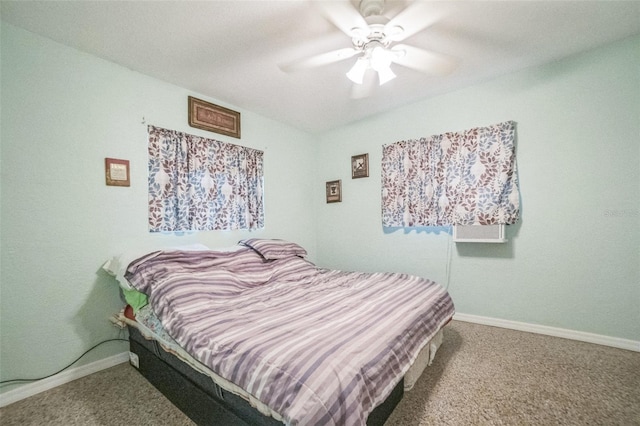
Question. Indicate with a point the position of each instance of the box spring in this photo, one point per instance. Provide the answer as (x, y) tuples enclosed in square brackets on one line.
[(206, 403)]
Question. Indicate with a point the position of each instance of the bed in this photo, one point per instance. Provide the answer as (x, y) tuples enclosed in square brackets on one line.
[(258, 335)]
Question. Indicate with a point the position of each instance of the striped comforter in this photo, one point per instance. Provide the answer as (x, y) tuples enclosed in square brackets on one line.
[(320, 347)]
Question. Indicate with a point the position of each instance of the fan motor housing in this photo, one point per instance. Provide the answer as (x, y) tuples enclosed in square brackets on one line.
[(371, 7)]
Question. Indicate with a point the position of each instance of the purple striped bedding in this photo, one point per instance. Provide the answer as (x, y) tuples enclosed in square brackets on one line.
[(318, 346)]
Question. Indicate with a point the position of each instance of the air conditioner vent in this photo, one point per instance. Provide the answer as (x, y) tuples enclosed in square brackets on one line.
[(479, 234)]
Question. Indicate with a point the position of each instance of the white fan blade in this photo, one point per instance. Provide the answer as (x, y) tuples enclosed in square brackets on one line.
[(422, 60), (342, 14), (366, 89), (318, 60), (413, 19)]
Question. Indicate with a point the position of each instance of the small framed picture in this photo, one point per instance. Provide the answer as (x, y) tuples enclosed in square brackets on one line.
[(117, 172), (360, 166), (334, 191)]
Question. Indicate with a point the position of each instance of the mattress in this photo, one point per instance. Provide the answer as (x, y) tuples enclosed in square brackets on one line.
[(150, 328), (269, 325)]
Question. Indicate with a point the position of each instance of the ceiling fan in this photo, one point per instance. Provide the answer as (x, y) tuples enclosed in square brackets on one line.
[(374, 41)]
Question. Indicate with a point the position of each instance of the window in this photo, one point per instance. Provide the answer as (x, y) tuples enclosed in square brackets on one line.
[(203, 184), (457, 178)]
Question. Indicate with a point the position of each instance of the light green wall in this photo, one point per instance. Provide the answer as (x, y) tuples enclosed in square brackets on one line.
[(1, 238), (571, 262), (63, 112), (573, 259)]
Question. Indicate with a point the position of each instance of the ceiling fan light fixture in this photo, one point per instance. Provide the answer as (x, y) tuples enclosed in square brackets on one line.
[(385, 75), (380, 58), (356, 73)]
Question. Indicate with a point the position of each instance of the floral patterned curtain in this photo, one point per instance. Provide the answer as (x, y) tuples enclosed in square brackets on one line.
[(203, 184), (462, 178)]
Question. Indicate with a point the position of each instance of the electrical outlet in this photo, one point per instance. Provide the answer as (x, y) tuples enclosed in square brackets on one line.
[(134, 360)]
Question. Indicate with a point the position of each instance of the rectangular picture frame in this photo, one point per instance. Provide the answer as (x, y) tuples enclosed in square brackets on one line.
[(360, 166), (334, 191), (213, 118), (117, 172)]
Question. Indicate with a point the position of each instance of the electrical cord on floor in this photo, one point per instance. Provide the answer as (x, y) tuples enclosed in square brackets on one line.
[(59, 371)]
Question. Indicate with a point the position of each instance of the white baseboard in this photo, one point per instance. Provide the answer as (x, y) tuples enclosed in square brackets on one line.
[(599, 339), (66, 376)]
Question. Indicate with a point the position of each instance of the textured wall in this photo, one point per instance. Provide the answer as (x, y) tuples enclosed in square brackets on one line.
[(573, 259), (63, 112)]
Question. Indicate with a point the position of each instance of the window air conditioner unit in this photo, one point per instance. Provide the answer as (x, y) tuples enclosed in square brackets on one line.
[(479, 234)]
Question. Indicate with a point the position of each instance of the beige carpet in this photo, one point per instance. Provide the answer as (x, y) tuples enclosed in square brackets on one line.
[(481, 376)]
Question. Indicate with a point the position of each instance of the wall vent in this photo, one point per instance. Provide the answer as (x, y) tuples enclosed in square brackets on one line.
[(479, 234)]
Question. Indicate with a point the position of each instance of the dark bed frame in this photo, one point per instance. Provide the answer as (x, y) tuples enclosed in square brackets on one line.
[(205, 402)]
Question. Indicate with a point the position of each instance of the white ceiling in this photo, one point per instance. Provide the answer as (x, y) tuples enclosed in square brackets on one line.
[(230, 50)]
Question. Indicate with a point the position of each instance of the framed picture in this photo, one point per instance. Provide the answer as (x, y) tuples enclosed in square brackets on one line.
[(334, 191), (214, 118), (360, 166), (117, 172)]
